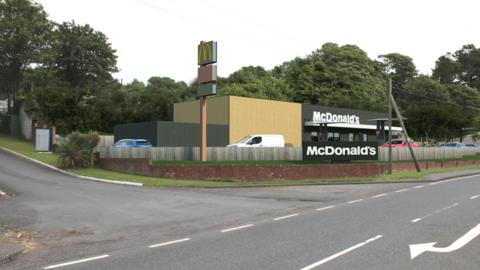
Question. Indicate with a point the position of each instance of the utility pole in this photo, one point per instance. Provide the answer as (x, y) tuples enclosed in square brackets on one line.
[(417, 166), (389, 94)]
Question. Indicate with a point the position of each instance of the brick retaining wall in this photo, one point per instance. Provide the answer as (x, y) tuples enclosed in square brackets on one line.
[(264, 172), (241, 172)]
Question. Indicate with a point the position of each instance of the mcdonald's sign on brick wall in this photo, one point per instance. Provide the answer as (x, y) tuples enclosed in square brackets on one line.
[(207, 53)]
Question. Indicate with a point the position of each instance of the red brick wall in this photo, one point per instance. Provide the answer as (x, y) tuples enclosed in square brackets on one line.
[(425, 165), (265, 172), (241, 172)]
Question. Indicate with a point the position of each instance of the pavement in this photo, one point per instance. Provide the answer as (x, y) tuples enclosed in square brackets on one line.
[(90, 225)]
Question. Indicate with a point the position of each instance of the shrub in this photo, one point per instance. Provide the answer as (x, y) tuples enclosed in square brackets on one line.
[(76, 150)]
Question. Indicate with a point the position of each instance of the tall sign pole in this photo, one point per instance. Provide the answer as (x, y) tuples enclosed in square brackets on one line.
[(207, 86)]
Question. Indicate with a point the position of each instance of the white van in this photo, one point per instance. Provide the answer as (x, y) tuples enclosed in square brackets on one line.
[(260, 140)]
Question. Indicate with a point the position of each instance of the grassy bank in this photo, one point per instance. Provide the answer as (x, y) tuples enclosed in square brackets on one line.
[(26, 148)]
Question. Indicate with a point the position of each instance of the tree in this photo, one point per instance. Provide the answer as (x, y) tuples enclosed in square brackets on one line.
[(335, 75), (24, 35), (81, 55), (255, 82), (400, 68), (462, 67), (435, 110), (446, 69)]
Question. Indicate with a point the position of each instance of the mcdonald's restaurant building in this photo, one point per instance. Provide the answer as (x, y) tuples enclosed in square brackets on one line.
[(240, 116)]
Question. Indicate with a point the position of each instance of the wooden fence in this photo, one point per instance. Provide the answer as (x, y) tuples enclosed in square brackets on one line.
[(213, 153), (271, 153)]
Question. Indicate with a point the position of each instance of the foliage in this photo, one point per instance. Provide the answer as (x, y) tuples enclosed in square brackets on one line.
[(400, 68), (335, 75), (439, 111), (76, 151), (255, 82), (24, 35), (81, 55), (462, 67)]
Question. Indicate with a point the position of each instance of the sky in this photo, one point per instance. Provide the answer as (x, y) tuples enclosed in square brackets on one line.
[(160, 37)]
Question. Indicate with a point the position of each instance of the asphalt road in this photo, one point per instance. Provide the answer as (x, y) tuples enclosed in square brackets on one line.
[(90, 225)]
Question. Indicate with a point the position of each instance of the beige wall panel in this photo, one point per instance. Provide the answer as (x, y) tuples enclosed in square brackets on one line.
[(258, 116), (189, 112)]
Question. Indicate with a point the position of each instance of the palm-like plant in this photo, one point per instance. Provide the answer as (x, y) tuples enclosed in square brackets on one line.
[(77, 150)]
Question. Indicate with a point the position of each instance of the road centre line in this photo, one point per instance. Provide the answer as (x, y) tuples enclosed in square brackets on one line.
[(237, 228), (284, 217), (401, 190), (354, 201), (334, 256), (78, 261), (420, 186), (379, 195), (474, 197), (325, 208), (169, 243), (436, 212)]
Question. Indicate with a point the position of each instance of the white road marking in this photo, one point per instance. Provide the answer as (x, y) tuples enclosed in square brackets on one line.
[(379, 195), (3, 193), (334, 256), (474, 197), (284, 217), (75, 262), (401, 190), (354, 201), (418, 249), (433, 184), (325, 208), (169, 243), (436, 212), (420, 186), (237, 228)]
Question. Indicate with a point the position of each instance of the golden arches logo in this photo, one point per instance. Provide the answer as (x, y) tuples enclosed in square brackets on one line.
[(207, 53)]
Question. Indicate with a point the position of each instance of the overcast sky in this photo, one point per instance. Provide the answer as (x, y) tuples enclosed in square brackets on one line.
[(160, 37)]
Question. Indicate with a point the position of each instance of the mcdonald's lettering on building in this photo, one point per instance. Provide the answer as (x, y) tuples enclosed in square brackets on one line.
[(207, 53)]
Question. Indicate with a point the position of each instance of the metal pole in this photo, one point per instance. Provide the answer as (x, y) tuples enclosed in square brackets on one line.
[(417, 166), (389, 126), (203, 128)]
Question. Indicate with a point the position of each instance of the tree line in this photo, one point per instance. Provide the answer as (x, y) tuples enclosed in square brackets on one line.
[(62, 72)]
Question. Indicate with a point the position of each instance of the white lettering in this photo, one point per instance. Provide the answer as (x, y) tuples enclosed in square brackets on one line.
[(319, 117), (312, 151)]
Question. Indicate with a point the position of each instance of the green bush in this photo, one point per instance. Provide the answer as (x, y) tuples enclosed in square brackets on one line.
[(76, 151)]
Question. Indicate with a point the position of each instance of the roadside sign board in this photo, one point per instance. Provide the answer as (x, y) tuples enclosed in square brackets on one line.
[(208, 89), (340, 151), (207, 53)]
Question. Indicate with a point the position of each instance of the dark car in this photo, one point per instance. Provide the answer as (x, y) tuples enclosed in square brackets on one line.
[(130, 143), (472, 145)]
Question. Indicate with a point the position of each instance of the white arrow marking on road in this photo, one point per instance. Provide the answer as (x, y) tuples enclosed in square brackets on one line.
[(418, 249)]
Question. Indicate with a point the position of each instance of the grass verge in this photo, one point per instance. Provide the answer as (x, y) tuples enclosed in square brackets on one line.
[(26, 148)]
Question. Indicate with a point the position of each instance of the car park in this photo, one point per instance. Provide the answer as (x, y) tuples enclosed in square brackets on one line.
[(261, 140), (454, 145), (400, 143), (472, 145), (133, 143)]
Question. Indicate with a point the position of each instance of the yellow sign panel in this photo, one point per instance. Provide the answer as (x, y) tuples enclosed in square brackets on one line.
[(207, 53)]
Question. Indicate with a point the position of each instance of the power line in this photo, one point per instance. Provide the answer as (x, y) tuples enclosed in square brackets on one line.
[(439, 101), (242, 36), (270, 29)]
